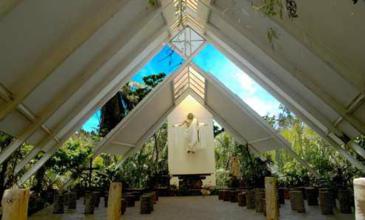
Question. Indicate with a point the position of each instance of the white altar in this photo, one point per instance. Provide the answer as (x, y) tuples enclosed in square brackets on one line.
[(191, 141)]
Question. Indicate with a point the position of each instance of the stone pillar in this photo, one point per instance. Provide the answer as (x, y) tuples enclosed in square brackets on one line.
[(271, 198), (15, 204), (220, 195), (146, 204), (124, 206), (226, 195), (96, 198), (359, 193), (115, 201), (233, 195), (58, 205), (72, 199), (325, 202), (281, 195), (250, 199), (345, 201), (106, 197), (312, 196), (259, 195), (241, 197), (89, 203), (298, 201)]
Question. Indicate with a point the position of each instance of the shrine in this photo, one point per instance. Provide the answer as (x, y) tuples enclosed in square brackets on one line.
[(182, 109)]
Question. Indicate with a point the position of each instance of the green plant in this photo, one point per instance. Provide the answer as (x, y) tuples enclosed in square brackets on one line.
[(153, 3), (271, 8), (271, 36)]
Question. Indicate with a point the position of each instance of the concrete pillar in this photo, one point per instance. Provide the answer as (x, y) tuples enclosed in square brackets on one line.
[(115, 201), (271, 198), (359, 193), (15, 204)]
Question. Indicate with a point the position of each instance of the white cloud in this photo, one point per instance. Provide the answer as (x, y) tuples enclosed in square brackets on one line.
[(248, 84), (260, 106)]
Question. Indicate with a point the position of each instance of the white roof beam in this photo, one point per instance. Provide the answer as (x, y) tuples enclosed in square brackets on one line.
[(133, 113), (6, 6), (142, 55), (301, 76), (57, 55), (76, 85), (270, 83), (260, 121), (49, 152)]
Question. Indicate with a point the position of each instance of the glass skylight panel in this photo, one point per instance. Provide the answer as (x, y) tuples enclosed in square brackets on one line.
[(189, 78), (187, 41), (212, 61)]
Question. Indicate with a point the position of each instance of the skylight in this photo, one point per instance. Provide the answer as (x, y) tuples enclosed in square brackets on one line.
[(187, 41), (189, 78), (216, 63), (165, 61)]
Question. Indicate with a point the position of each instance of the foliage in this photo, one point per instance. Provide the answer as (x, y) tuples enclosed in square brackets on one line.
[(73, 155), (144, 168), (271, 36), (153, 3), (225, 148), (253, 168), (125, 100), (355, 1), (313, 149), (7, 177), (271, 8)]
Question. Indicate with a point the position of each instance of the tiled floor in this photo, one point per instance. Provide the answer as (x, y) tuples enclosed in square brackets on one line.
[(189, 208)]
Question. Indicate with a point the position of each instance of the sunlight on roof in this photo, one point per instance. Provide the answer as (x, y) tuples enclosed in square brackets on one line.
[(213, 61)]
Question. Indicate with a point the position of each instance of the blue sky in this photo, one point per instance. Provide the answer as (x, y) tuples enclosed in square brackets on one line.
[(166, 61), (213, 61)]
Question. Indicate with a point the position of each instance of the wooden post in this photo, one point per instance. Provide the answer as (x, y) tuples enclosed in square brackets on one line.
[(115, 201), (359, 193), (271, 194), (15, 204)]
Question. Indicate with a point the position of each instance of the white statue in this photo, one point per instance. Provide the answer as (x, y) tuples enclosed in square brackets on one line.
[(192, 137)]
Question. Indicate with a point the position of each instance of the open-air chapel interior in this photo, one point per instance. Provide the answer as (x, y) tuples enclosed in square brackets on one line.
[(182, 109)]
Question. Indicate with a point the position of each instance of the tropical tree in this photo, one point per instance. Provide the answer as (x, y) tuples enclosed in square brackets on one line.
[(125, 100)]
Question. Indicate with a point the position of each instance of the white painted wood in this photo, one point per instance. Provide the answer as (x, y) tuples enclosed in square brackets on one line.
[(304, 69), (289, 98), (203, 160), (86, 108), (6, 6), (86, 74), (47, 62)]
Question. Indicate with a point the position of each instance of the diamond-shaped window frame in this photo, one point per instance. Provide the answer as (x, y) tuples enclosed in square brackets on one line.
[(187, 41)]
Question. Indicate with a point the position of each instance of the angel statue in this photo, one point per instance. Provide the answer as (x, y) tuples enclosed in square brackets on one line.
[(192, 135)]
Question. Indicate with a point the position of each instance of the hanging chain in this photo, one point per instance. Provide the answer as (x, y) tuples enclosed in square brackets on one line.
[(180, 6)]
